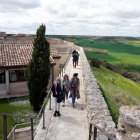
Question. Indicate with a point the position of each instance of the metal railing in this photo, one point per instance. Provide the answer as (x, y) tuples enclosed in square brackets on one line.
[(94, 132), (42, 110)]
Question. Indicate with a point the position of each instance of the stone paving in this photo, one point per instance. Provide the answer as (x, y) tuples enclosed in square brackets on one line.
[(72, 124)]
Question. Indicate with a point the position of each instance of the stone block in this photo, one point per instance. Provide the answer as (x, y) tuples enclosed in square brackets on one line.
[(135, 136)]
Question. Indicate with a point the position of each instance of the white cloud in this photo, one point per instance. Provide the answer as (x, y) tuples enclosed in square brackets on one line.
[(75, 17), (18, 5)]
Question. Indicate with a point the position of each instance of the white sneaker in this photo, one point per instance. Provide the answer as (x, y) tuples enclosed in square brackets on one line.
[(67, 101), (63, 104)]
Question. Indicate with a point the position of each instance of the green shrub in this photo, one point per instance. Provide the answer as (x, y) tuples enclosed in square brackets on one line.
[(108, 65), (96, 63), (89, 58)]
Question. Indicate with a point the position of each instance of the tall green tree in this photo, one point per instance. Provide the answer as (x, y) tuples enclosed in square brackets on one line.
[(38, 72)]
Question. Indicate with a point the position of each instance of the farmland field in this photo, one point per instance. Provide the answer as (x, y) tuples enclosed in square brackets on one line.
[(136, 41), (117, 53), (119, 93)]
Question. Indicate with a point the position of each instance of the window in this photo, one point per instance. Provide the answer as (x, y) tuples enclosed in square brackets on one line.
[(2, 76), (21, 76), (13, 75), (17, 75)]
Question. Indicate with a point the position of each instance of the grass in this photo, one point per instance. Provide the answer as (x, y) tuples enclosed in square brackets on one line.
[(122, 92), (117, 53), (16, 106)]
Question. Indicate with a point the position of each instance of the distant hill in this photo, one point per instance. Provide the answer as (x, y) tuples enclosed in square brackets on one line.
[(119, 40), (116, 39), (132, 38)]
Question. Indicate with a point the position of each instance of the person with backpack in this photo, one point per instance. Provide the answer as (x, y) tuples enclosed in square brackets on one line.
[(74, 52), (57, 92), (74, 58), (74, 88), (77, 57), (66, 87)]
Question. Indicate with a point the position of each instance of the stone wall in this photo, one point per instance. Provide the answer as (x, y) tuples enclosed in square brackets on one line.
[(129, 123), (23, 133), (97, 109), (64, 56)]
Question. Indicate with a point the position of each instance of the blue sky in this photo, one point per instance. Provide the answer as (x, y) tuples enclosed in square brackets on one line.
[(74, 17)]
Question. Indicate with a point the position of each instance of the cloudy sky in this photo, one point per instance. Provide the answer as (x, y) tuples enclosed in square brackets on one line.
[(71, 17)]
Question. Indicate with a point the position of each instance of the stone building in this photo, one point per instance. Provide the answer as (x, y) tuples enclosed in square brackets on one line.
[(13, 62), (57, 58), (2, 35), (16, 52)]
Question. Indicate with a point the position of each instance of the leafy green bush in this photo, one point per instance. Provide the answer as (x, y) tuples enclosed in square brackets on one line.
[(89, 58), (96, 63), (108, 65)]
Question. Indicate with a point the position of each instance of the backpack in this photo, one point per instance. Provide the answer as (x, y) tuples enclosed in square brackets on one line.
[(74, 84)]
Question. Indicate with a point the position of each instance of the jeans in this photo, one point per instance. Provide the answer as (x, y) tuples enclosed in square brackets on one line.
[(65, 94), (77, 62), (73, 97)]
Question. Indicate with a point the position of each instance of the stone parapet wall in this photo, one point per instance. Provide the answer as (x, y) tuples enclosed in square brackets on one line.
[(97, 109), (129, 123), (76, 47)]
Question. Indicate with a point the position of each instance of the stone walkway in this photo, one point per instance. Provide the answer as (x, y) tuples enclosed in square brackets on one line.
[(72, 124)]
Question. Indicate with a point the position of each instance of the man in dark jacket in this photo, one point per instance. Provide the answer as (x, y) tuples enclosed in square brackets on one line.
[(74, 52), (74, 58)]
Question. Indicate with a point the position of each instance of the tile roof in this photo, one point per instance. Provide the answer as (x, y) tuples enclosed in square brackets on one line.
[(16, 55), (63, 49), (17, 40), (54, 53), (56, 45), (52, 60), (55, 40)]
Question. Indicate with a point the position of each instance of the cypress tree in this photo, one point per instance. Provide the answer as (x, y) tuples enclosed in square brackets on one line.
[(38, 72)]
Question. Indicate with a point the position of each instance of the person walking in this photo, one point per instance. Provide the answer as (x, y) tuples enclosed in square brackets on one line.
[(77, 57), (56, 89), (74, 52), (66, 87), (74, 88), (74, 58)]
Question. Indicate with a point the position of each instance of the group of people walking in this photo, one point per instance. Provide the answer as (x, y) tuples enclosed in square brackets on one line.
[(75, 56), (64, 89), (61, 89)]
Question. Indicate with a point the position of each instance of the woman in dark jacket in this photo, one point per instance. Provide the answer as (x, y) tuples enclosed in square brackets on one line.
[(56, 89)]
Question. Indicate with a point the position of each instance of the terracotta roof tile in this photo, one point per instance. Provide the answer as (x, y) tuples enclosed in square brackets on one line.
[(16, 55), (54, 53), (63, 49)]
